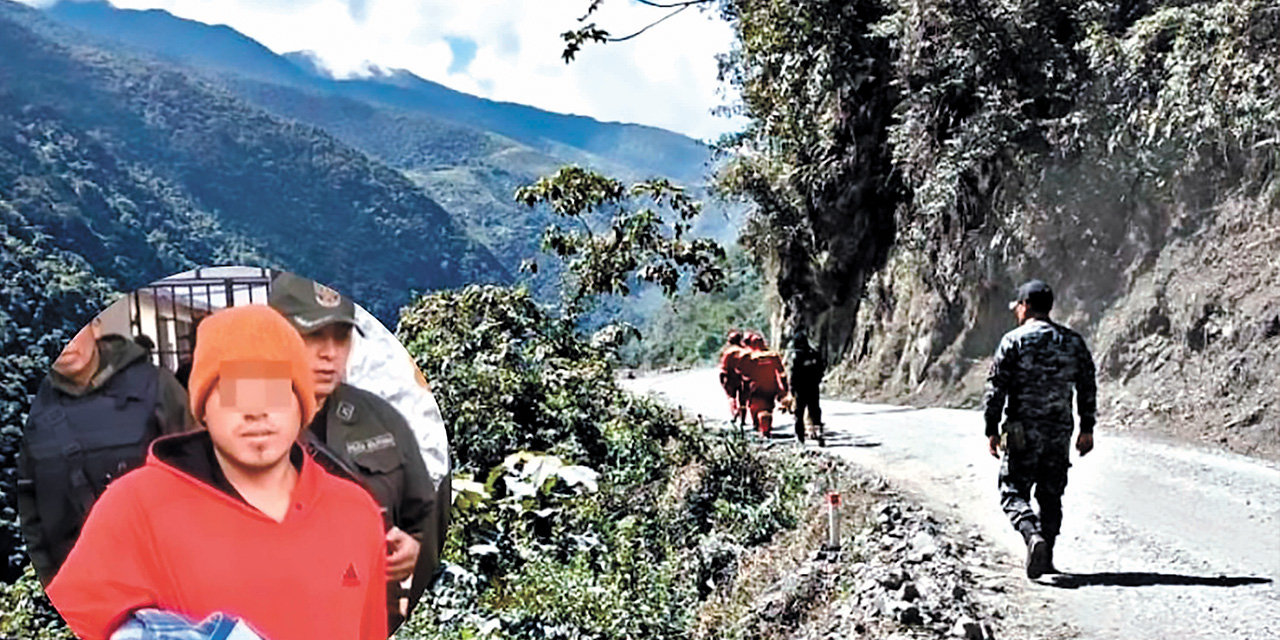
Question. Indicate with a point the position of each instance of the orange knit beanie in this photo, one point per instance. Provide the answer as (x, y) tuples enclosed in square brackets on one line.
[(252, 333)]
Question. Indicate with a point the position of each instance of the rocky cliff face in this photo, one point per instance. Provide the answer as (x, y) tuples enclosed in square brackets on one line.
[(1177, 302)]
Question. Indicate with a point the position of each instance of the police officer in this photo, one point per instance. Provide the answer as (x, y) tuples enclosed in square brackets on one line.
[(365, 437), (807, 368), (92, 420), (1032, 377)]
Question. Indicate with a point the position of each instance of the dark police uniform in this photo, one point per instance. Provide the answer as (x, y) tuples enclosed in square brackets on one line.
[(807, 368), (1036, 367), (359, 435), (77, 440)]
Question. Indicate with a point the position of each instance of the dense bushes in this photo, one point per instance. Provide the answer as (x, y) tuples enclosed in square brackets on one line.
[(623, 521), (46, 295)]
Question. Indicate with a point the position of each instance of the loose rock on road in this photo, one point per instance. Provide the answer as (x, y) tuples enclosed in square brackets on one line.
[(1158, 541)]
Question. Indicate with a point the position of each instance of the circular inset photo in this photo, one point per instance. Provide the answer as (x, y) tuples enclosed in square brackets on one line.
[(236, 450)]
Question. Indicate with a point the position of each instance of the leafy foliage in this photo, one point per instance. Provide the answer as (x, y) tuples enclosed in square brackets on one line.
[(589, 32), (691, 330), (814, 159), (639, 244), (25, 612), (982, 135), (618, 516)]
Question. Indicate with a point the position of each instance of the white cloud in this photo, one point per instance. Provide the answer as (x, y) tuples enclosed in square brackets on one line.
[(664, 78)]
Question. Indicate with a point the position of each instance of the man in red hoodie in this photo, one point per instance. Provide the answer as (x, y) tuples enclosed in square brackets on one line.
[(235, 519)]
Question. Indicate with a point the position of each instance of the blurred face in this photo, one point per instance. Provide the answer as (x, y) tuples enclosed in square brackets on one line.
[(253, 421), (81, 353), (329, 348), (1020, 312)]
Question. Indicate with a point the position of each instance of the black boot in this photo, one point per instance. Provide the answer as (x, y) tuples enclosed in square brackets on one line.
[(1037, 556), (1049, 567)]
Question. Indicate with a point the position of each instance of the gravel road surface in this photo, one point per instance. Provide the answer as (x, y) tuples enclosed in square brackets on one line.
[(1158, 541)]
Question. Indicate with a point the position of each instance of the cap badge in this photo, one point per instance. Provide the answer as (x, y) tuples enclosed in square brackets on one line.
[(327, 297)]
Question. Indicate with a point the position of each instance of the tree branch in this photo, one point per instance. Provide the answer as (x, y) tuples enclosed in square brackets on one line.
[(651, 25), (672, 5)]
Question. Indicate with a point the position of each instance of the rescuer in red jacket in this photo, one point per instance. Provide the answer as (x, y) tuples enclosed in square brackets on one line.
[(731, 379), (766, 377), (235, 519)]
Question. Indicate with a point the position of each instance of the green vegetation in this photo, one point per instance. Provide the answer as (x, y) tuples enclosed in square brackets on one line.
[(625, 519), (984, 138), (691, 329), (981, 135), (145, 171), (46, 295), (637, 244)]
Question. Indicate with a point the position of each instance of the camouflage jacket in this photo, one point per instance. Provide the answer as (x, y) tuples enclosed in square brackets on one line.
[(1035, 369)]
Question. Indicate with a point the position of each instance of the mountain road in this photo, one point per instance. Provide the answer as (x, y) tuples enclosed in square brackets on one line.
[(1159, 540)]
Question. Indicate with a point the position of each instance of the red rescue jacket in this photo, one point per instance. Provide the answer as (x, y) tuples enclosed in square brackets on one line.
[(730, 358), (765, 371), (163, 537)]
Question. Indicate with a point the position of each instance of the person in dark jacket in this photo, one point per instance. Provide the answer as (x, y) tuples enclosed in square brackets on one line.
[(807, 368), (92, 420), (365, 437)]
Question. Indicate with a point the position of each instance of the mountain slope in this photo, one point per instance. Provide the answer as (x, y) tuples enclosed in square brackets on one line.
[(145, 171), (633, 151)]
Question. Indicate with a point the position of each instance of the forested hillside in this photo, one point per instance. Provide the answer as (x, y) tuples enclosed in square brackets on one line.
[(169, 172), (612, 147), (467, 153), (115, 172)]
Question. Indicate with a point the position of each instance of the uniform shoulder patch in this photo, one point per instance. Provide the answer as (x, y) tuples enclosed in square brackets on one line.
[(346, 411)]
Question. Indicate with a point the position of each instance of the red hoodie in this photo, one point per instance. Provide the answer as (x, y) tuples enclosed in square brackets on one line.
[(174, 535)]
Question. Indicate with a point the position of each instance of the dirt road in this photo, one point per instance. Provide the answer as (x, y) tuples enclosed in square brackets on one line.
[(1159, 541)]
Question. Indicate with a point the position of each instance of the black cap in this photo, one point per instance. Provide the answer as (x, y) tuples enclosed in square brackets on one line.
[(308, 305), (1036, 294)]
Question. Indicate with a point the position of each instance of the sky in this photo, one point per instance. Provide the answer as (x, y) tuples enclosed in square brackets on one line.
[(505, 50)]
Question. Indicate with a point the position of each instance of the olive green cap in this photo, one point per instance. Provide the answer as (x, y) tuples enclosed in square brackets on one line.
[(308, 305)]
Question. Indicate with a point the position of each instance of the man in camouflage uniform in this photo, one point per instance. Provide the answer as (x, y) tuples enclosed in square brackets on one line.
[(1035, 369)]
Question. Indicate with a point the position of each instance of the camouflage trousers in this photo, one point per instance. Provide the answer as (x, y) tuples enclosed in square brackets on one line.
[(1035, 460)]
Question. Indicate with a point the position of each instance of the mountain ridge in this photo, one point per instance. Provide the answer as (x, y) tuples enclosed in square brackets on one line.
[(645, 150), (146, 171)]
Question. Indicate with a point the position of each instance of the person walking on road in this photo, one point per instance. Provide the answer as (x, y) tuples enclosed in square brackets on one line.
[(766, 377), (1035, 369), (730, 379), (807, 367)]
